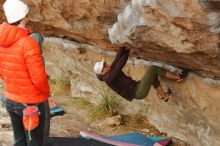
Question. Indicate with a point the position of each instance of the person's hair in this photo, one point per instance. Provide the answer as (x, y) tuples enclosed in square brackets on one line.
[(16, 23)]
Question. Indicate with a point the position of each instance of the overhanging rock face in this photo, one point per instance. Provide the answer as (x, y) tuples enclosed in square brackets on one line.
[(182, 33), (191, 115)]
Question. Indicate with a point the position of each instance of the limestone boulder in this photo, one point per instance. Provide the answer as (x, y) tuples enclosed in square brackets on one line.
[(183, 33), (191, 115)]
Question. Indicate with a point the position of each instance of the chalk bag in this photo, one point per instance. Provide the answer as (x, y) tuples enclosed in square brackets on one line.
[(30, 118)]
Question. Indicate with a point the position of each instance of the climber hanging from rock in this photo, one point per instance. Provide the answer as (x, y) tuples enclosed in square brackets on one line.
[(128, 88)]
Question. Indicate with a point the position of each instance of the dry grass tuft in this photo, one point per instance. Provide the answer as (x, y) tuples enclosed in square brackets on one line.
[(135, 120), (81, 102), (60, 87)]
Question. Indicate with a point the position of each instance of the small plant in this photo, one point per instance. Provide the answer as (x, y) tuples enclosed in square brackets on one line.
[(60, 87), (106, 107), (135, 120)]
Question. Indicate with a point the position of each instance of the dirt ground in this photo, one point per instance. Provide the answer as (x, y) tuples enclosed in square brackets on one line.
[(75, 120)]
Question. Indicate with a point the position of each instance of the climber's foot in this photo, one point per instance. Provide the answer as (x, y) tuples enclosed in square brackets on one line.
[(165, 98), (182, 76)]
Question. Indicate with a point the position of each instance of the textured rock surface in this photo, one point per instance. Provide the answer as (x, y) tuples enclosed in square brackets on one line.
[(183, 33), (192, 114), (5, 124), (156, 30), (166, 28)]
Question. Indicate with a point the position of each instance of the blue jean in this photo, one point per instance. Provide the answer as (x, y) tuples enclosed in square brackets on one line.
[(40, 135)]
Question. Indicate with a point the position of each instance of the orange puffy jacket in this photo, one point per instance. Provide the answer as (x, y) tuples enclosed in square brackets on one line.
[(21, 66)]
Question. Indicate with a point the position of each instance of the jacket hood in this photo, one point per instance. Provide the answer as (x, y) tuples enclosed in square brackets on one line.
[(9, 34)]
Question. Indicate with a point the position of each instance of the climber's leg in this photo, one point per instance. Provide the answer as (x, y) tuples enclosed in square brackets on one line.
[(164, 96), (150, 78), (178, 77)]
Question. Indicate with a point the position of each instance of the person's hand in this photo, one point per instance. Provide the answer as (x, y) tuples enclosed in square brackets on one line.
[(124, 48)]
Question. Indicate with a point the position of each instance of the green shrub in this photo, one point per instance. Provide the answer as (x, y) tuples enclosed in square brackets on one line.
[(106, 107)]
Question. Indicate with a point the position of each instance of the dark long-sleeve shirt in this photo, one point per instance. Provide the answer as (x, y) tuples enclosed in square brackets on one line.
[(122, 84)]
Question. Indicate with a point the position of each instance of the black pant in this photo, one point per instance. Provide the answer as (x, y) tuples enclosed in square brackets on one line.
[(40, 135)]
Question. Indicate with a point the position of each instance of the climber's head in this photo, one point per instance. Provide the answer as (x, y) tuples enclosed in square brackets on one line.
[(98, 67), (16, 11), (101, 67)]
